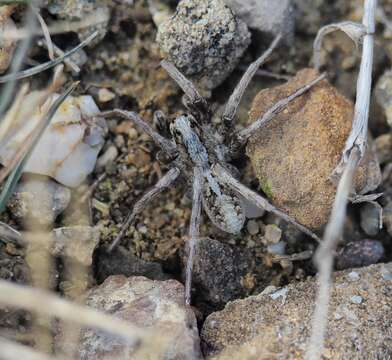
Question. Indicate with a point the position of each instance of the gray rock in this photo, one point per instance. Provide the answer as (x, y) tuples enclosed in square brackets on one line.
[(271, 17), (122, 262), (359, 253), (370, 219), (204, 40), (278, 325), (39, 200), (152, 305), (217, 272), (252, 227)]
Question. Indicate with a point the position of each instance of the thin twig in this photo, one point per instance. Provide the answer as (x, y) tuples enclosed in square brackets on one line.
[(45, 66), (352, 155), (46, 303), (358, 134), (11, 350), (45, 30), (59, 27), (68, 61), (324, 257)]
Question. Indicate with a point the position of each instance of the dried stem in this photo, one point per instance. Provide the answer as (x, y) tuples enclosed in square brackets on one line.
[(324, 256), (46, 303), (352, 155), (358, 134), (11, 350), (45, 66)]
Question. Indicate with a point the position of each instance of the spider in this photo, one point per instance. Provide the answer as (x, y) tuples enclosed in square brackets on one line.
[(202, 155)]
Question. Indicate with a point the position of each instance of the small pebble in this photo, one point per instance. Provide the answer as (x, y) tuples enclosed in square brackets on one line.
[(370, 219), (353, 276), (386, 275), (252, 227), (272, 234), (107, 157), (359, 253), (105, 95), (280, 293), (356, 299), (277, 249)]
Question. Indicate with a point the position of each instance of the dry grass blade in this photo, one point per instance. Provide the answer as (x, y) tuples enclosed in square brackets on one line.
[(11, 350), (45, 66), (59, 27), (33, 140), (46, 303), (46, 32), (324, 257), (355, 31), (352, 155), (358, 134)]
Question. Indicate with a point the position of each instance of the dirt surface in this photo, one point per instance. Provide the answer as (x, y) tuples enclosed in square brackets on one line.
[(122, 71)]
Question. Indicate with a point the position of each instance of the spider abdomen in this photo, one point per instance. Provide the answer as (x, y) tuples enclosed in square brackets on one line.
[(225, 210)]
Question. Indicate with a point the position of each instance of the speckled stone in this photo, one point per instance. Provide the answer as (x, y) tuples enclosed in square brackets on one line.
[(204, 40), (156, 305), (277, 325)]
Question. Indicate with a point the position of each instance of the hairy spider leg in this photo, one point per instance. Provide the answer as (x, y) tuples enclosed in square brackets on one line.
[(235, 98), (161, 122), (240, 137), (192, 99), (194, 230), (225, 177), (166, 181), (165, 144)]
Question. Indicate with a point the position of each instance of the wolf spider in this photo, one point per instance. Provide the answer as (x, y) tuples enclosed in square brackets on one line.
[(202, 155)]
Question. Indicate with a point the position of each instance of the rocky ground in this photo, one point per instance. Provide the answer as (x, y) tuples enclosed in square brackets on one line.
[(268, 264)]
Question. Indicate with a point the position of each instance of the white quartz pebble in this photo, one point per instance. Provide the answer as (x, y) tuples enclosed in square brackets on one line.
[(68, 149)]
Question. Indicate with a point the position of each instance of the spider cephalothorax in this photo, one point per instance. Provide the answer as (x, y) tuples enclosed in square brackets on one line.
[(202, 153)]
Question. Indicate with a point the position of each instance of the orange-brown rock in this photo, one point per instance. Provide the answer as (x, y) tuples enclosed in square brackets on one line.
[(294, 155)]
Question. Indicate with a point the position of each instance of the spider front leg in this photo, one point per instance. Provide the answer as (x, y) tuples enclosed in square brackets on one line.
[(166, 181), (225, 177), (192, 100), (235, 98), (240, 138), (194, 228), (166, 145)]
